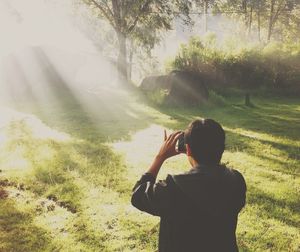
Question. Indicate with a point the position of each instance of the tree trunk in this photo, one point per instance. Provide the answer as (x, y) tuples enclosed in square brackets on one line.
[(250, 21), (244, 6), (247, 100), (258, 22), (130, 62), (205, 15), (271, 20), (122, 58)]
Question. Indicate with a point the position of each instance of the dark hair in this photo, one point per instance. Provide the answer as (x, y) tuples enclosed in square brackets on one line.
[(206, 138)]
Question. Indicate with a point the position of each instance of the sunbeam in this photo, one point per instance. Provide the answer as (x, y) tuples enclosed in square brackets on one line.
[(90, 90), (46, 61)]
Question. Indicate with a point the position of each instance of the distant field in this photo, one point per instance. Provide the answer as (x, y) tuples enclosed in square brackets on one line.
[(68, 167)]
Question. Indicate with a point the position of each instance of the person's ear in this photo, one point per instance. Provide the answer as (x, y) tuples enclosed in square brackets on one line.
[(188, 150)]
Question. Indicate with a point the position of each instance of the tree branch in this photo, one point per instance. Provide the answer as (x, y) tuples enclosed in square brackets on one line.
[(280, 7), (141, 10), (117, 13), (109, 10), (106, 15)]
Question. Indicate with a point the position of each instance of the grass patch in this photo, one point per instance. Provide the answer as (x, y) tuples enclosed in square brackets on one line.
[(68, 158), (18, 232)]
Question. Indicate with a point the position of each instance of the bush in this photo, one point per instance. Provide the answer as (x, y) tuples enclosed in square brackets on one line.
[(276, 65)]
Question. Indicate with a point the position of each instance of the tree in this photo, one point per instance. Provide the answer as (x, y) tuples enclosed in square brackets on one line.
[(270, 14), (276, 7), (280, 10), (205, 5), (131, 18), (258, 10)]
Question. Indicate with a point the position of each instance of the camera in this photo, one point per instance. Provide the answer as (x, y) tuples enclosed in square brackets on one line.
[(181, 144)]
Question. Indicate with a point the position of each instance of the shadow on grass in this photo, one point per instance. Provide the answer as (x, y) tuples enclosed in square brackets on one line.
[(52, 175), (279, 117), (18, 232), (289, 153), (260, 119), (284, 210)]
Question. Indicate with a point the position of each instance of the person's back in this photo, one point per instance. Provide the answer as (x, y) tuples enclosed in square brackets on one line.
[(198, 209)]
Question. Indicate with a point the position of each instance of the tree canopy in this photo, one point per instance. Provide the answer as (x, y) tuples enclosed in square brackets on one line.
[(142, 22), (139, 20)]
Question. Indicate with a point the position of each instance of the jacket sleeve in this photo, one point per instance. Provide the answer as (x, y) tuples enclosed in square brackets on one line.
[(242, 190), (153, 198)]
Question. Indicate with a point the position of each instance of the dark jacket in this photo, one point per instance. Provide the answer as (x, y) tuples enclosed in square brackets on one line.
[(198, 209)]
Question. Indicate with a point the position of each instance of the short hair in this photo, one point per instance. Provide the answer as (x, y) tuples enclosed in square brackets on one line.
[(206, 139)]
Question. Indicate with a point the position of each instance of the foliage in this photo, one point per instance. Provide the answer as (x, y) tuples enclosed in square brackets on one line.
[(270, 19), (277, 65), (18, 232), (127, 16), (139, 21)]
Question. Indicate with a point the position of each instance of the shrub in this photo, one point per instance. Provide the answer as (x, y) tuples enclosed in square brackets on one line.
[(275, 65)]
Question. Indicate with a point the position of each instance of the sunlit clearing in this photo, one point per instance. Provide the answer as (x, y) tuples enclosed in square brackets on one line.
[(37, 129), (16, 131), (143, 146)]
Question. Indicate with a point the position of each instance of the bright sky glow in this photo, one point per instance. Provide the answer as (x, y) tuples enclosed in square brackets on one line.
[(43, 48), (37, 23)]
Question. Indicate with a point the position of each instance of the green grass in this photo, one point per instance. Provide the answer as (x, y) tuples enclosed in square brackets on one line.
[(18, 232), (264, 144), (71, 165)]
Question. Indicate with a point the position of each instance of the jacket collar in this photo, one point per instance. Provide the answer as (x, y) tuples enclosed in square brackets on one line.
[(206, 168)]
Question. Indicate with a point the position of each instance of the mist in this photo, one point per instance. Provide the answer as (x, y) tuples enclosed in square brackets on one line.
[(40, 37), (82, 47), (76, 133)]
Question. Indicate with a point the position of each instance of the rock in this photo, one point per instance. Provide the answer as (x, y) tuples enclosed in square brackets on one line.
[(182, 87), (153, 83), (186, 88)]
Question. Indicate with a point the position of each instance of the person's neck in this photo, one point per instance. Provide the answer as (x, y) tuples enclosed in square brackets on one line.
[(200, 164), (195, 163)]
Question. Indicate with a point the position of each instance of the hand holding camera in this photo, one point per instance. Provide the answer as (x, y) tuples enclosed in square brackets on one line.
[(181, 148), (169, 149)]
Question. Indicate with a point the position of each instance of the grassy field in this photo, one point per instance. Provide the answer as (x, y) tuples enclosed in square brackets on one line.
[(68, 166)]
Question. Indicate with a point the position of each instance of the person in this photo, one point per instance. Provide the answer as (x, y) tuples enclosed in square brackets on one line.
[(198, 209)]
